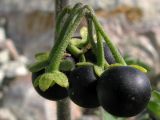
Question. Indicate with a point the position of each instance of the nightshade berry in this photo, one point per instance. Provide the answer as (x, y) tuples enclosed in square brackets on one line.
[(82, 88), (55, 92), (108, 54), (123, 91), (90, 56)]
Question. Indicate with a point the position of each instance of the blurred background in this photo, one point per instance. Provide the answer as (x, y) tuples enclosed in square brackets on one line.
[(27, 27)]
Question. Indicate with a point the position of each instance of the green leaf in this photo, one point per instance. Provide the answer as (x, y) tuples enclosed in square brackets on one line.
[(154, 104), (98, 70), (154, 107), (42, 56), (155, 96), (140, 68), (49, 79), (67, 65), (39, 65)]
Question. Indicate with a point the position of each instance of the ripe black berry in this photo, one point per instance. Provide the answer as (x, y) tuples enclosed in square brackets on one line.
[(108, 54), (82, 88), (90, 56), (123, 91), (55, 92)]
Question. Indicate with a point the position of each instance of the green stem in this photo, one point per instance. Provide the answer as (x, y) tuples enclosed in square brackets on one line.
[(80, 43), (68, 22), (91, 33), (74, 50), (100, 50), (60, 19), (112, 47), (106, 65), (58, 53), (63, 106)]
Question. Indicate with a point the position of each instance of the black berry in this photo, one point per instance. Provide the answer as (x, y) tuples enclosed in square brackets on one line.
[(82, 89), (90, 56), (55, 92), (123, 91)]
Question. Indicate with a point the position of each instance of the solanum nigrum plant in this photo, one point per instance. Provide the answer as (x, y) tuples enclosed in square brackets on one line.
[(127, 88), (52, 77), (122, 90), (82, 89)]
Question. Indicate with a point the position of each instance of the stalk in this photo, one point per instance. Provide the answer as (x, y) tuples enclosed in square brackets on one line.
[(61, 47), (63, 106), (114, 50)]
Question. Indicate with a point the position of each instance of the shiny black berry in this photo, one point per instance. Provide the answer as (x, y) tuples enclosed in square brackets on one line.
[(90, 56), (108, 54), (55, 92), (123, 91), (82, 88)]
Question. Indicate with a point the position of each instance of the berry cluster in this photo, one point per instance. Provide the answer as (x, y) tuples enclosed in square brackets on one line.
[(89, 68)]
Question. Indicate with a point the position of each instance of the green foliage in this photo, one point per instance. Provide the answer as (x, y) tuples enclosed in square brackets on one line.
[(42, 56), (38, 65), (154, 104)]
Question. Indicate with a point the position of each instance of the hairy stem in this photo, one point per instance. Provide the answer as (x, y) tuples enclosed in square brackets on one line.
[(91, 33), (100, 50), (63, 106), (114, 50), (60, 20), (69, 28)]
